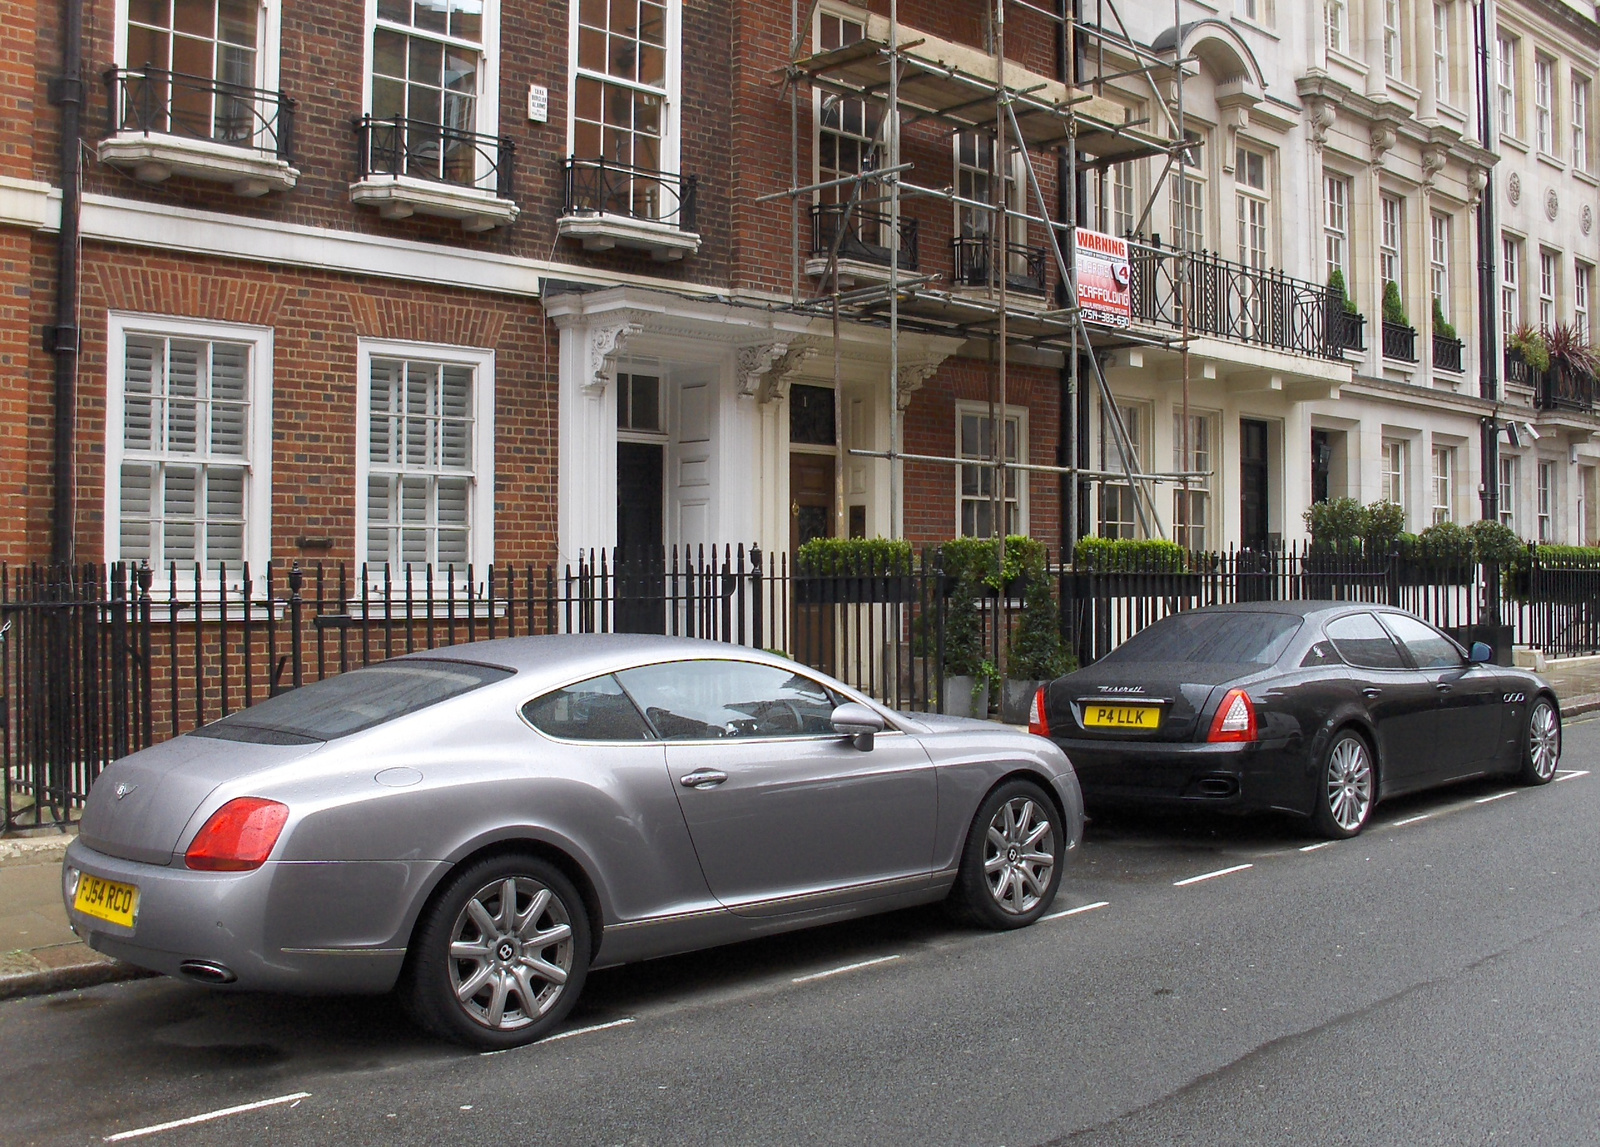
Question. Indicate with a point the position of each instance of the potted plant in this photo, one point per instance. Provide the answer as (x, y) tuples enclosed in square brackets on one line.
[(1035, 655), (831, 570), (1442, 327), (1394, 311), (1527, 345), (964, 676), (1573, 364), (1344, 320)]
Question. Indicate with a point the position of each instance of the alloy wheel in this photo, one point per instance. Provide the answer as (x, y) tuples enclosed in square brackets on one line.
[(1544, 739), (1349, 784), (510, 953), (1019, 855)]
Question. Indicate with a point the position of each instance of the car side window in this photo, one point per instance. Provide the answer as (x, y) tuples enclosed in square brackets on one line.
[(592, 710), (715, 700), (1429, 648), (1322, 653), (1361, 641)]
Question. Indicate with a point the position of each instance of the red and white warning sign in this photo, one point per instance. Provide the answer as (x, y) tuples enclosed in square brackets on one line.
[(1103, 278)]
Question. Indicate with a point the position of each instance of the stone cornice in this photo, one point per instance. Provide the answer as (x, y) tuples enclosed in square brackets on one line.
[(1388, 122)]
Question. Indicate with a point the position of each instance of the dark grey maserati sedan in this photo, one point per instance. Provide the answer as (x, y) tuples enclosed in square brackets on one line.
[(481, 825)]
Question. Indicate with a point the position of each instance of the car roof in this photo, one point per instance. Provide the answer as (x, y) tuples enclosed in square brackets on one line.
[(1298, 608), (574, 656)]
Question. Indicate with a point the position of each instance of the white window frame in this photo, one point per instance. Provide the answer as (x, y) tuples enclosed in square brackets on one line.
[(1442, 485), (480, 514), (487, 104), (1393, 464), (1336, 229), (1336, 23), (1199, 488), (1019, 415), (1580, 123), (1549, 271), (671, 156), (1140, 426), (270, 30), (1544, 112), (1545, 507), (258, 461), (1252, 208), (1439, 236), (1582, 288), (1441, 53), (1192, 206), (1510, 283), (1508, 491), (1391, 241), (1505, 85), (1393, 58)]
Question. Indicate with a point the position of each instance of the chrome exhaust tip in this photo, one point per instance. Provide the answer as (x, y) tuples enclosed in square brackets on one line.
[(207, 972)]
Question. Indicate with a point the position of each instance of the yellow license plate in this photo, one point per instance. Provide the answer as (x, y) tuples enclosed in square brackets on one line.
[(107, 900), (1132, 718)]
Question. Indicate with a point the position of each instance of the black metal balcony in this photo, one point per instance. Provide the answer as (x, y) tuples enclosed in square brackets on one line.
[(1565, 388), (1346, 329), (864, 235), (1447, 354), (605, 187), (1521, 373), (153, 101), (1025, 265), (1231, 301), (1399, 342), (434, 152)]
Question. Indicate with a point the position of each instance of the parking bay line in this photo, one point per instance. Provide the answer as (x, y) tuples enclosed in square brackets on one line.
[(1211, 875), (1496, 796), (207, 1117), (1075, 911), (1411, 820), (841, 970), (1319, 844), (1574, 775)]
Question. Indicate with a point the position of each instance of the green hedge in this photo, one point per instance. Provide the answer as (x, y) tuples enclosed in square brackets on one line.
[(821, 557), (1151, 555)]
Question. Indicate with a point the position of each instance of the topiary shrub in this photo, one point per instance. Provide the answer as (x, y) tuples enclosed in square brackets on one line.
[(1446, 544), (1036, 653), (1149, 555), (1340, 293), (1441, 325), (1386, 521), (1339, 523), (822, 557), (1494, 542), (1394, 311)]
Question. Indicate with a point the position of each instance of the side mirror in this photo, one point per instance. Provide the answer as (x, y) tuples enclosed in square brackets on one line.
[(1481, 653), (857, 722)]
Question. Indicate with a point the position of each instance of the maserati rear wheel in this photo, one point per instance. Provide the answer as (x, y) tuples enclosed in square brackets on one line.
[(1346, 787), (1541, 750)]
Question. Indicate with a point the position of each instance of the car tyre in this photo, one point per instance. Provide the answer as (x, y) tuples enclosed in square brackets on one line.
[(1347, 787), (500, 955), (1011, 864), (1541, 746)]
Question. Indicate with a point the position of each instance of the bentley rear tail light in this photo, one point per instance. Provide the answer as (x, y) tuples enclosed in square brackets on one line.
[(238, 837), (1235, 719), (1038, 723)]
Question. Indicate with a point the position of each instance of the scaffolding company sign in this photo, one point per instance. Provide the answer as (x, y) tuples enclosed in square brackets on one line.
[(1103, 277)]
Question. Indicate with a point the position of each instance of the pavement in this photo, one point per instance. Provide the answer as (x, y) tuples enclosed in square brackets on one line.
[(39, 953)]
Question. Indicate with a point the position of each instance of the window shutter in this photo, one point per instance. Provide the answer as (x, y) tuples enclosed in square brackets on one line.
[(230, 363)]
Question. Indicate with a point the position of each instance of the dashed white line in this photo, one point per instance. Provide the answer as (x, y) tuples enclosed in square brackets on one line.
[(1572, 775), (1211, 875), (1410, 820), (1319, 844), (841, 971), (1496, 796), (208, 1116), (1075, 911)]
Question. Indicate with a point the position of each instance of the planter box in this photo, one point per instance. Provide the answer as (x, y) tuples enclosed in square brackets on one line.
[(849, 589), (961, 700), (1016, 700)]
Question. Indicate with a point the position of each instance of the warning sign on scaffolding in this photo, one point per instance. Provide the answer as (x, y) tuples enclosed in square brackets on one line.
[(1103, 278)]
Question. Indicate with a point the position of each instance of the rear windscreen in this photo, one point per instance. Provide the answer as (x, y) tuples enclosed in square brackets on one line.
[(1211, 638), (352, 702)]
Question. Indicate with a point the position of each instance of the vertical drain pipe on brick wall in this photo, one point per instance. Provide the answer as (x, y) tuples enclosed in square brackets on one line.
[(63, 339)]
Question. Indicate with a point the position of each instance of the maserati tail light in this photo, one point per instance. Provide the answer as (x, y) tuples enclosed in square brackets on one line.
[(1235, 719), (1038, 723), (238, 837)]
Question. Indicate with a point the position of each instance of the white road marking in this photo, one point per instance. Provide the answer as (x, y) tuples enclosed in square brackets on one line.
[(1075, 911), (844, 969), (1496, 796), (1570, 776), (1211, 875), (207, 1117), (1410, 820), (1319, 844), (568, 1034)]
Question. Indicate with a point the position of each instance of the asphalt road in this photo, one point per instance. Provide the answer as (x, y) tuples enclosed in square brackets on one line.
[(1435, 981)]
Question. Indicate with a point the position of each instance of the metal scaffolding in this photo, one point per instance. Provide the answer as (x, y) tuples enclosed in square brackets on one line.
[(916, 77)]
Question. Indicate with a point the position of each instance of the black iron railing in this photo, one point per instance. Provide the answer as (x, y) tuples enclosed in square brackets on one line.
[(601, 186), (152, 101), (435, 152), (1346, 329), (861, 235), (1025, 265), (1447, 354), (1521, 372), (1232, 301), (1399, 342), (1565, 388)]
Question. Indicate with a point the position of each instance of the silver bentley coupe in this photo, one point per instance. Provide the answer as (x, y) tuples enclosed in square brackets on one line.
[(477, 827)]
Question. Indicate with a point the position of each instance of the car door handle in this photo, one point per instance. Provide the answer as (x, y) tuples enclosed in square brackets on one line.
[(1443, 686), (1372, 691), (702, 779)]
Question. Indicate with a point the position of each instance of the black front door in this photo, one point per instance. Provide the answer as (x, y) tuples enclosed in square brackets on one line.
[(1252, 484), (639, 584), (1321, 464)]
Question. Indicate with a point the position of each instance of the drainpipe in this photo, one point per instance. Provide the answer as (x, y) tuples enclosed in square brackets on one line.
[(62, 339), (1488, 343)]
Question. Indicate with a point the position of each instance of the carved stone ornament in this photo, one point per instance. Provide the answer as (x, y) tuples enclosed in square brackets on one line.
[(754, 363), (1433, 161), (1552, 204), (1477, 181), (1514, 188), (1320, 114), (1383, 141), (775, 386), (605, 344), (1586, 220), (912, 376)]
